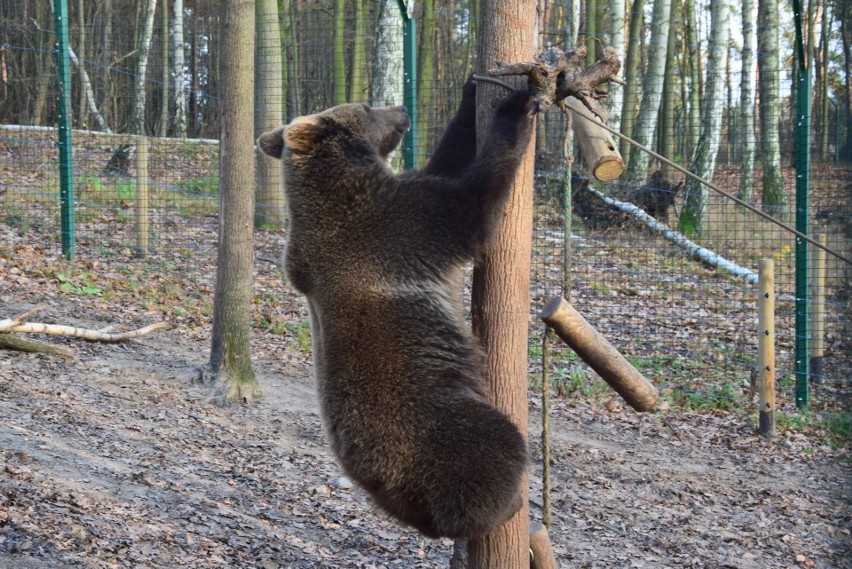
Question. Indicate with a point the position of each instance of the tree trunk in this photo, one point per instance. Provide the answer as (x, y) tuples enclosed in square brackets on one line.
[(652, 88), (747, 88), (703, 163), (631, 74), (358, 85), (141, 68), (164, 68), (666, 143), (179, 87), (386, 87), (616, 91), (846, 40), (693, 42), (230, 358), (425, 76), (269, 210), (768, 64), (82, 114), (339, 52), (822, 70), (501, 282), (591, 31)]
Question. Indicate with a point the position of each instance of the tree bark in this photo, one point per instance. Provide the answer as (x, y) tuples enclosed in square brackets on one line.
[(425, 75), (386, 86), (230, 357), (339, 52), (846, 40), (652, 88), (631, 74), (82, 115), (616, 91), (269, 210), (666, 143), (178, 73), (693, 42), (501, 282), (694, 212), (358, 84), (141, 68), (164, 69), (773, 196), (747, 88)]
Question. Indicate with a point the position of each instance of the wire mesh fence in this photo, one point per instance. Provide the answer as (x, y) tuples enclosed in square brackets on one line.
[(689, 326)]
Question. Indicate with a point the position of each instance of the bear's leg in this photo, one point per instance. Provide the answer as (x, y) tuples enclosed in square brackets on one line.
[(457, 148)]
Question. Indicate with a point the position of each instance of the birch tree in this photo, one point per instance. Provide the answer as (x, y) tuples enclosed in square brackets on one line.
[(178, 71), (142, 68), (704, 159), (386, 87), (616, 91), (268, 115), (358, 84), (693, 76), (164, 69), (339, 52), (747, 89), (772, 194), (631, 74), (652, 87)]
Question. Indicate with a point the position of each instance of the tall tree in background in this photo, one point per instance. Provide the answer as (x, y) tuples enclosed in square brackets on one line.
[(339, 52), (846, 40), (178, 73), (666, 143), (773, 195), (82, 111), (386, 88), (142, 67), (358, 84), (631, 74), (230, 356), (747, 89), (164, 69), (590, 30), (616, 91), (652, 88), (269, 106), (693, 75), (703, 161), (500, 305), (425, 76)]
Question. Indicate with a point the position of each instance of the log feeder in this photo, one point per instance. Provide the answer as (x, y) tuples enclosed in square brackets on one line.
[(596, 351), (541, 552), (599, 153)]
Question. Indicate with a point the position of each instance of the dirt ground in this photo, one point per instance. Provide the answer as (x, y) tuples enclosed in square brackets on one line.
[(120, 459)]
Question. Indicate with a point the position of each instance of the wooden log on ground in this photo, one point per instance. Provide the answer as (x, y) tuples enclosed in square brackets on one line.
[(12, 342), (766, 346), (600, 154), (542, 551), (596, 351)]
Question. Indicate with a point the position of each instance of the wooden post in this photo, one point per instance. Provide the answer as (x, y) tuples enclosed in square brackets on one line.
[(540, 548), (599, 354), (545, 427), (766, 346), (817, 327), (600, 154), (142, 229)]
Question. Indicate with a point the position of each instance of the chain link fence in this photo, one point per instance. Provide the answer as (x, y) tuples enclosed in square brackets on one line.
[(690, 327)]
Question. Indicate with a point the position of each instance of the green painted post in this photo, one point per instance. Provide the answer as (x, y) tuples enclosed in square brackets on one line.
[(803, 166), (409, 55), (63, 120)]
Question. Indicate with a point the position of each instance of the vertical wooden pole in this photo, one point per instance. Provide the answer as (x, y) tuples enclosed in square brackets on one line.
[(545, 427), (766, 346), (142, 230), (817, 327), (500, 307)]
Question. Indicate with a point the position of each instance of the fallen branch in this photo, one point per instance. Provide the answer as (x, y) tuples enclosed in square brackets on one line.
[(699, 253), (12, 342), (18, 325)]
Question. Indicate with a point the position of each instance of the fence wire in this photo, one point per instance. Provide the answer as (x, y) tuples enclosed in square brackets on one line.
[(689, 327)]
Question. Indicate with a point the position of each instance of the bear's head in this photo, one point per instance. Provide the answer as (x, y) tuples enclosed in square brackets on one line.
[(379, 129)]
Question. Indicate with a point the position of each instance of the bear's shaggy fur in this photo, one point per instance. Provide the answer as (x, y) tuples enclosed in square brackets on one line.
[(379, 258)]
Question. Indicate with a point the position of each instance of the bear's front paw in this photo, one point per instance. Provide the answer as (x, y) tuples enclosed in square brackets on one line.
[(518, 103)]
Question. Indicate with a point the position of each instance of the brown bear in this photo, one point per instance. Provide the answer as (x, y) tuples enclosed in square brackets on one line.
[(379, 257)]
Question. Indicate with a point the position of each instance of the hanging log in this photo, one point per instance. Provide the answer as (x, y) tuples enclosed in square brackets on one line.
[(540, 549), (599, 152), (596, 351)]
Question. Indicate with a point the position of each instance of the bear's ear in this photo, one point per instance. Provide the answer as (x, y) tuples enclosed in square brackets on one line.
[(304, 133), (272, 142)]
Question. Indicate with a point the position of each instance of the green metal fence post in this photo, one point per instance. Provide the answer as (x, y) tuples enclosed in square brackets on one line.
[(803, 165), (63, 121), (409, 54)]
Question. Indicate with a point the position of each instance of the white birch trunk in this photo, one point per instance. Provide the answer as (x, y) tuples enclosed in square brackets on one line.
[(747, 89), (652, 88), (178, 71), (616, 91), (699, 253), (770, 85), (704, 159), (387, 85), (141, 69), (90, 96)]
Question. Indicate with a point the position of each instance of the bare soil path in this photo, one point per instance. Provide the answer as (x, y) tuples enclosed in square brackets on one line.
[(119, 459)]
